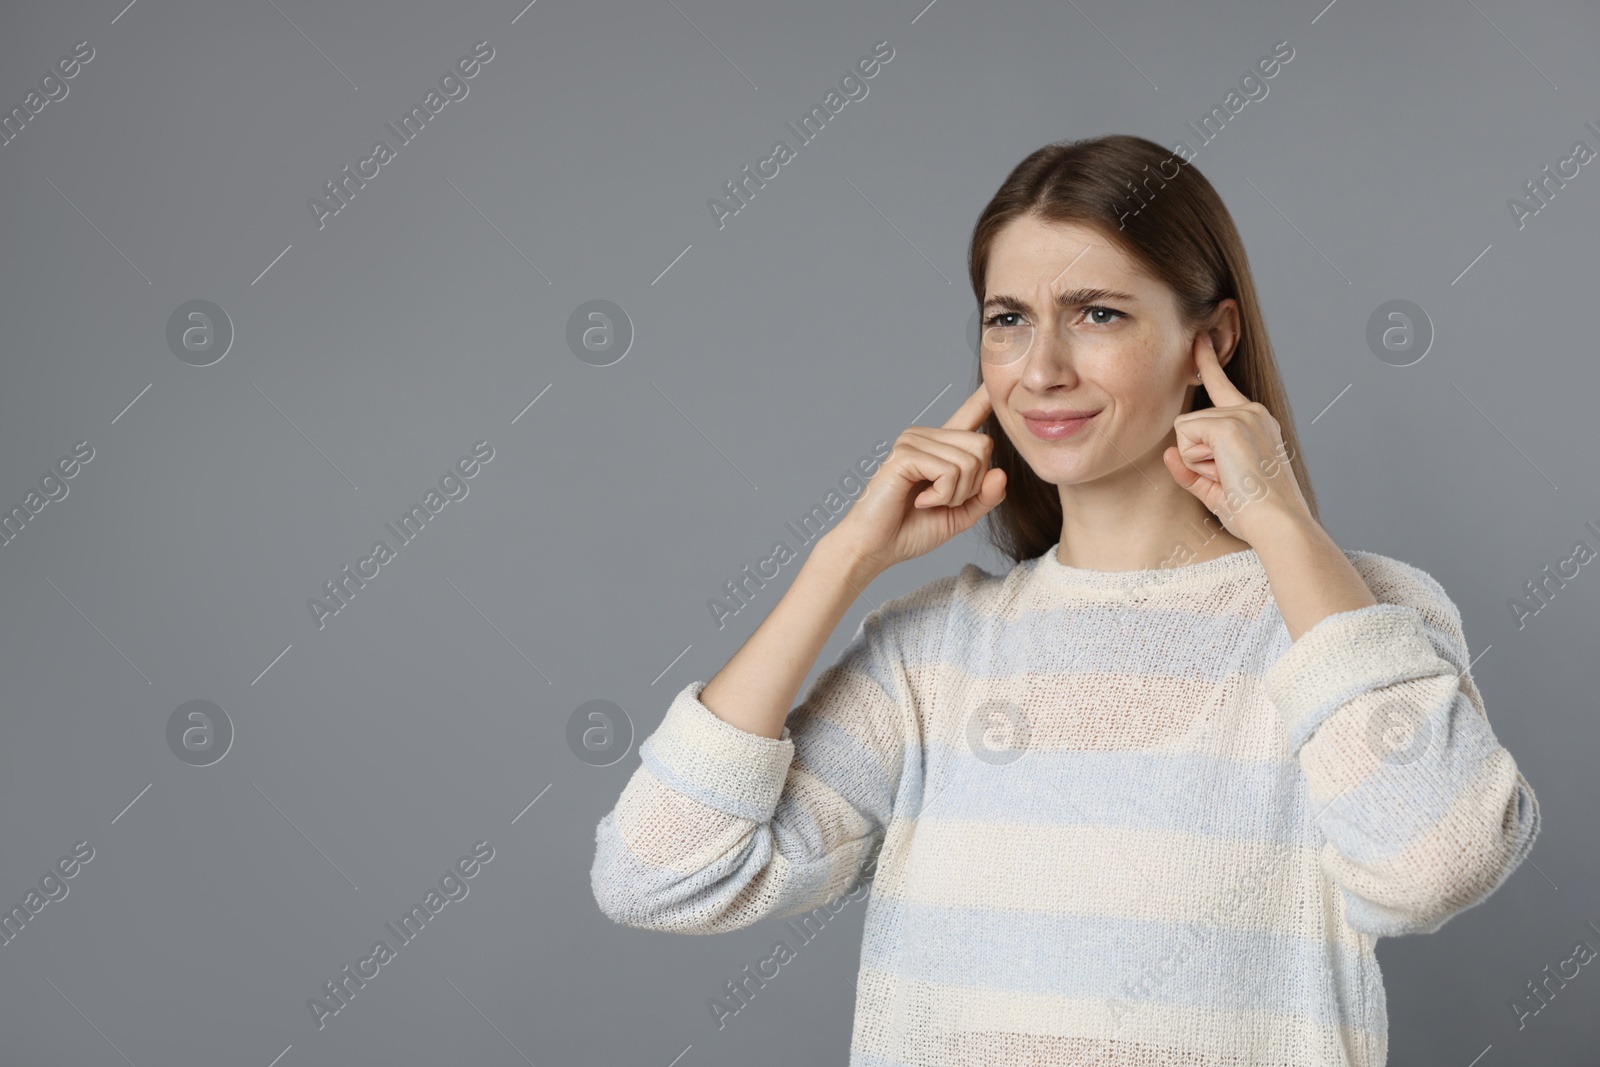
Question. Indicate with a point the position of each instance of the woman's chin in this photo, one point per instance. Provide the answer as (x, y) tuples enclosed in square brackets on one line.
[(1056, 472)]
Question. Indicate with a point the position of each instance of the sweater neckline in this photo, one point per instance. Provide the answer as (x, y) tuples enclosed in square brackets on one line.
[(1143, 582)]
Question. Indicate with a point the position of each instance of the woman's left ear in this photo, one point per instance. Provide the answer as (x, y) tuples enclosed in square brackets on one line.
[(1224, 331)]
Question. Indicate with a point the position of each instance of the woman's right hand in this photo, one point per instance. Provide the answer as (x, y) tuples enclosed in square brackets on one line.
[(899, 516)]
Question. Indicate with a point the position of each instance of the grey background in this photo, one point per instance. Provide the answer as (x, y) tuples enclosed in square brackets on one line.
[(826, 316)]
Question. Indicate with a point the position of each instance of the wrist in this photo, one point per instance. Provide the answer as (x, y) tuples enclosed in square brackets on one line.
[(1295, 530), (847, 559)]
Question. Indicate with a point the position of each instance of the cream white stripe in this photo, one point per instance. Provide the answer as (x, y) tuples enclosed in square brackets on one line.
[(1229, 719), (958, 1026), (1110, 871)]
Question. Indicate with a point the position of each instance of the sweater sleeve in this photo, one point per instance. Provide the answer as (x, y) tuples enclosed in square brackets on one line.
[(1423, 813), (719, 827)]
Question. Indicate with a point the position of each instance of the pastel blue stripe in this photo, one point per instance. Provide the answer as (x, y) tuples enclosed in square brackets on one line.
[(643, 895), (1004, 649), (1372, 919), (1333, 700), (1451, 746), (1214, 646), (708, 795), (896, 635), (1171, 792), (1205, 795), (655, 896), (1142, 963), (847, 765), (1444, 646), (1211, 637), (1377, 921), (867, 1059)]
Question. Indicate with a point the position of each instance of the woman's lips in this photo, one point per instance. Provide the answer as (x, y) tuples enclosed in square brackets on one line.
[(1056, 429)]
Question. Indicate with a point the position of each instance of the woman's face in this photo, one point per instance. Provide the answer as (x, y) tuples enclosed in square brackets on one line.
[(1071, 324)]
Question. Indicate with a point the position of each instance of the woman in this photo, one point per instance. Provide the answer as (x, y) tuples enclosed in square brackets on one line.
[(1151, 796)]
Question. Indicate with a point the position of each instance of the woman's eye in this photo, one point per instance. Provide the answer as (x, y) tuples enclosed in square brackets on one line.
[(995, 320), (1107, 311)]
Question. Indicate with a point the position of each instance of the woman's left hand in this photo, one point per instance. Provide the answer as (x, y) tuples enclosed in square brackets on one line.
[(1232, 457)]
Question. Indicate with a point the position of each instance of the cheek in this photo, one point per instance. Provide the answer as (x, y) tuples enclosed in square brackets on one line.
[(1136, 376), (1149, 392), (1152, 372), (1000, 380), (1152, 357)]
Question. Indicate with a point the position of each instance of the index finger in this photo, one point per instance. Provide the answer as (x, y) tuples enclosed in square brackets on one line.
[(972, 412), (1219, 387)]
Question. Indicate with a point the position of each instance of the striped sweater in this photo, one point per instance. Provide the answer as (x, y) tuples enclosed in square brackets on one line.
[(1110, 817)]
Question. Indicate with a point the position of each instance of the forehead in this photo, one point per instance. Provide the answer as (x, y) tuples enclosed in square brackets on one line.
[(1029, 252)]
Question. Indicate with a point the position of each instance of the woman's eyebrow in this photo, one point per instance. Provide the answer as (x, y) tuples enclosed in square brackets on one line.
[(1068, 299)]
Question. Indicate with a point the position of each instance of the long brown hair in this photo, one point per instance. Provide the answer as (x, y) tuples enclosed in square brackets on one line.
[(1161, 211)]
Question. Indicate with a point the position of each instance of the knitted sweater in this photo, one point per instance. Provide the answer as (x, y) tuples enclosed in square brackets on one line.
[(1111, 817)]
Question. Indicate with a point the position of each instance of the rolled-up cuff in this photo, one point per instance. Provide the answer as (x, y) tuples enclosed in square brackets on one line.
[(715, 762), (1343, 656)]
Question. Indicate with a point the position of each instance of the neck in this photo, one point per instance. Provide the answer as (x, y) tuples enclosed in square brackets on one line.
[(1137, 519)]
